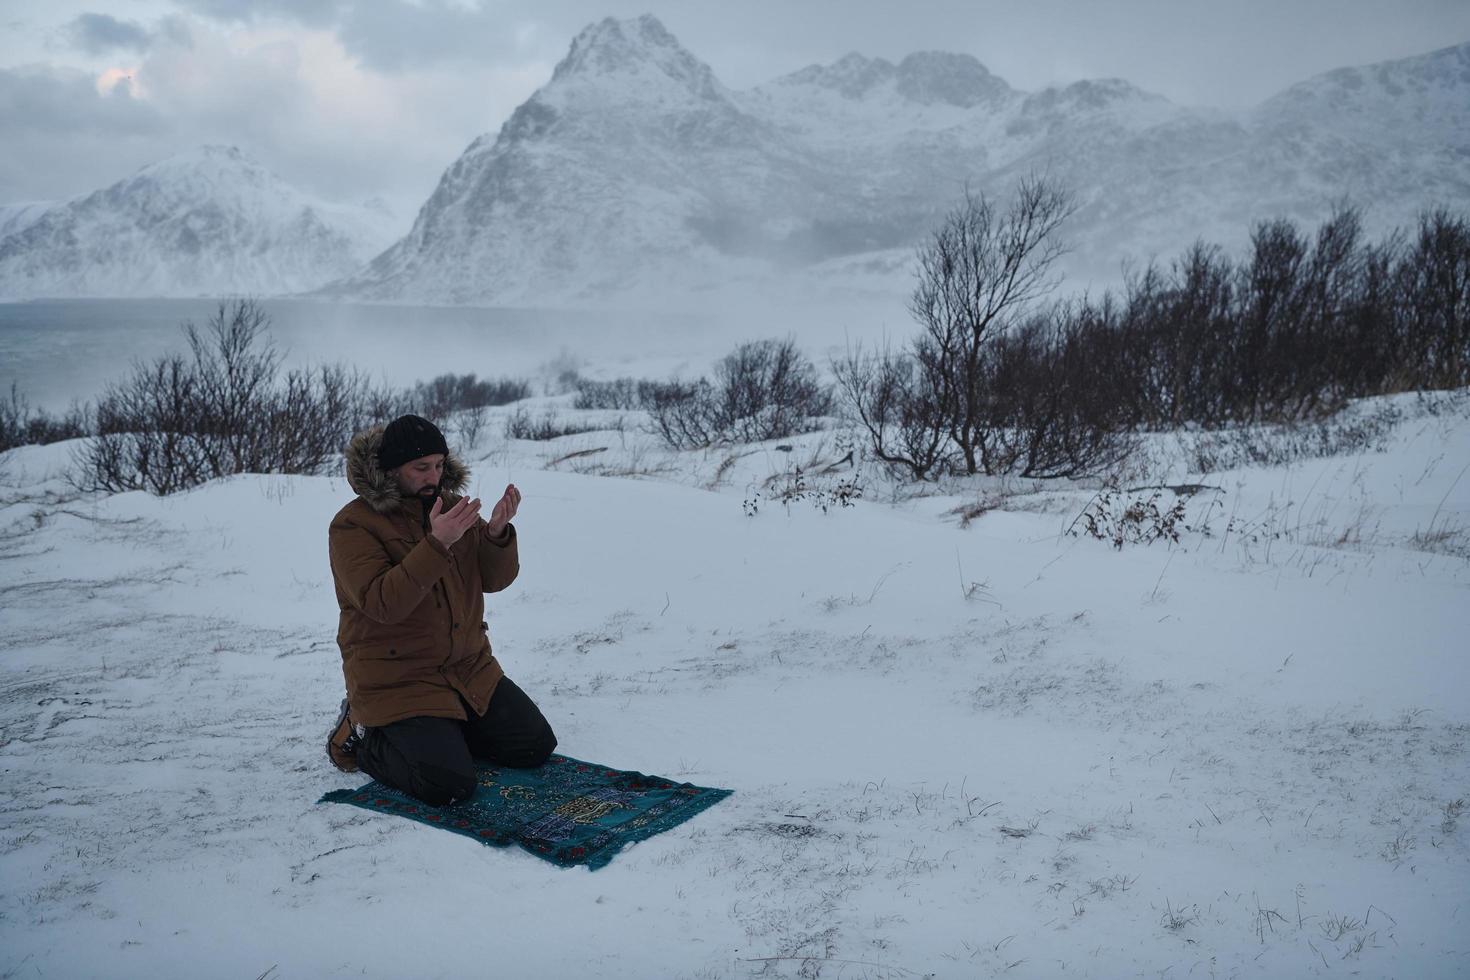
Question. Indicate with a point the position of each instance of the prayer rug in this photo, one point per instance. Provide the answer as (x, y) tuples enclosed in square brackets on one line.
[(568, 811)]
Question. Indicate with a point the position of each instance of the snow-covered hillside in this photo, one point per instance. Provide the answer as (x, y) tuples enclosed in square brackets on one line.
[(208, 222), (18, 217), (634, 168), (956, 751), (630, 160)]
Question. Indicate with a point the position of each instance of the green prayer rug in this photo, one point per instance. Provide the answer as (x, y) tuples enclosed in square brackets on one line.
[(568, 811)]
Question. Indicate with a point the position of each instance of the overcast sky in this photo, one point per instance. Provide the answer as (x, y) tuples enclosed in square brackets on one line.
[(359, 98)]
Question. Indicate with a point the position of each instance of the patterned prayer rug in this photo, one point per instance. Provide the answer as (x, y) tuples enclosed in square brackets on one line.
[(568, 811)]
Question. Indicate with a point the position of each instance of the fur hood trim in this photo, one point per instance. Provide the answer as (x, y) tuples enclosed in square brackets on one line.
[(373, 484)]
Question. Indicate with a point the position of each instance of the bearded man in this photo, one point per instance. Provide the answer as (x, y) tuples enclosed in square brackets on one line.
[(411, 560)]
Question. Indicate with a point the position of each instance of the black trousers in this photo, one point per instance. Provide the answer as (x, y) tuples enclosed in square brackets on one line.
[(433, 759)]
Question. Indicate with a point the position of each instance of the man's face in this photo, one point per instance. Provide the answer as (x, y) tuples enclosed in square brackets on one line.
[(420, 477)]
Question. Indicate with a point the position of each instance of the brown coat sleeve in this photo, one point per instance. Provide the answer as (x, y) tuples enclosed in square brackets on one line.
[(366, 575), (499, 562)]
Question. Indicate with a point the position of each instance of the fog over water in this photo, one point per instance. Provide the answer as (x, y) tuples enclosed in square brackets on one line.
[(57, 351)]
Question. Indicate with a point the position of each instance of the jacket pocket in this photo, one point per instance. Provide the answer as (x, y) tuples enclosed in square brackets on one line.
[(401, 649)]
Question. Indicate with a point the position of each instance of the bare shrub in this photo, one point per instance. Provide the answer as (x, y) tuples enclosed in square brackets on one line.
[(313, 414), (20, 425), (764, 389), (523, 425), (468, 424), (992, 383), (792, 487), (1434, 282), (682, 414), (146, 438), (897, 406), (978, 276), (768, 389), (1301, 325), (224, 408), (1287, 336), (1129, 518), (626, 394), (446, 394), (1053, 409)]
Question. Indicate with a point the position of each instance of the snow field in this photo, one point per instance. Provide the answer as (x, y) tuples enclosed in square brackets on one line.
[(956, 752)]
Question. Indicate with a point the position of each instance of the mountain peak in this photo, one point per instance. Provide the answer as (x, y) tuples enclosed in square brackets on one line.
[(207, 221), (931, 77), (215, 153), (210, 159), (1442, 75), (928, 78), (852, 76), (640, 49), (1091, 95)]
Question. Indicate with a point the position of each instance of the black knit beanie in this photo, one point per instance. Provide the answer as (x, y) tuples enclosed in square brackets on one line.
[(409, 437)]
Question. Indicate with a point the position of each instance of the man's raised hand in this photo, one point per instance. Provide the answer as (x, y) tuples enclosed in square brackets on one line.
[(447, 526), (505, 509)]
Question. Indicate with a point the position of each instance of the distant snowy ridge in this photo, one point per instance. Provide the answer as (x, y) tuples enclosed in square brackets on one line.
[(21, 215), (634, 169), (207, 222)]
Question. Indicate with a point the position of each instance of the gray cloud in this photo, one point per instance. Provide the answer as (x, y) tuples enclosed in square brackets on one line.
[(60, 132), (393, 35), (309, 13), (1193, 51), (101, 33), (57, 100), (430, 75), (402, 35), (327, 127)]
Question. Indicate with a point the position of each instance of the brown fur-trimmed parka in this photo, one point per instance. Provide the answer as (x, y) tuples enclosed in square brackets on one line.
[(412, 631)]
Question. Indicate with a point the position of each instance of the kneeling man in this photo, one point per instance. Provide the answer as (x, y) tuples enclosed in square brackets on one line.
[(411, 560)]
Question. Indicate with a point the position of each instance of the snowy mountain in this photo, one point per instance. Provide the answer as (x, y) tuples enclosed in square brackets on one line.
[(633, 155), (634, 167), (210, 221), (20, 216)]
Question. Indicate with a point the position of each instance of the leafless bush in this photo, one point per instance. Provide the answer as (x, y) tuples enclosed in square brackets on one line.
[(224, 408), (20, 425), (993, 383), (146, 436), (1120, 518), (1287, 335), (793, 487), (523, 425), (446, 394), (1052, 408), (979, 275), (682, 414), (764, 389), (897, 406), (468, 424), (767, 389), (1434, 285), (1300, 325), (626, 394)]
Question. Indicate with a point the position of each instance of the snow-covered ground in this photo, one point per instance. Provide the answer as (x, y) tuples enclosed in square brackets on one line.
[(960, 748)]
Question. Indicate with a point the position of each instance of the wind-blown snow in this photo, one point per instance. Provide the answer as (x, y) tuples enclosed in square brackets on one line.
[(207, 222), (955, 751)]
